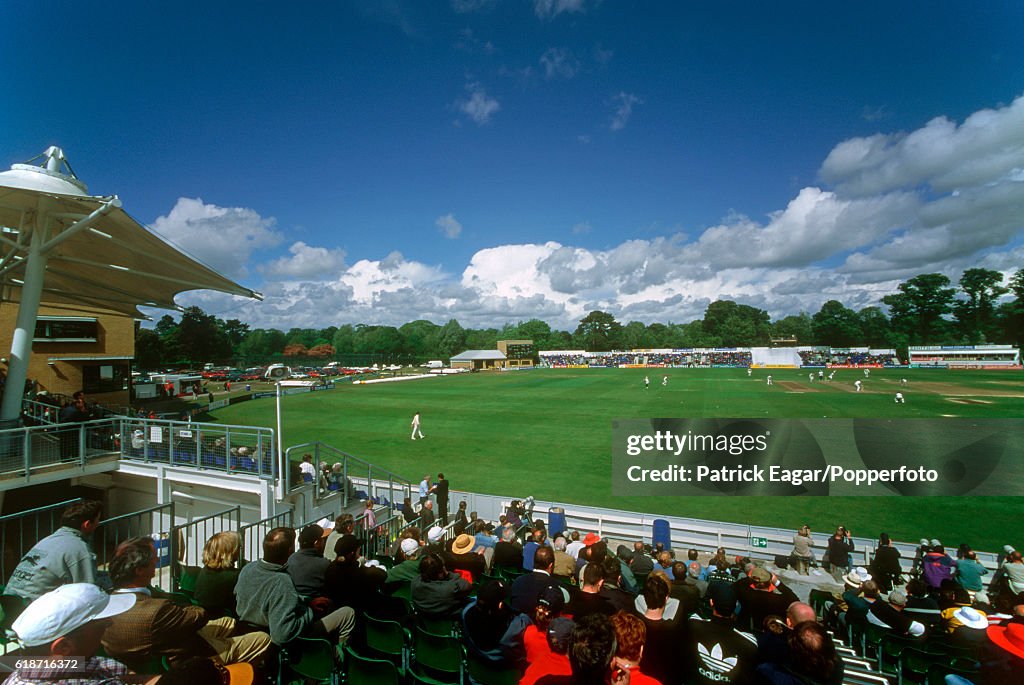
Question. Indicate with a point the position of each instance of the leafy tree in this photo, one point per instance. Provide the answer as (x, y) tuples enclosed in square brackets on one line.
[(634, 335), (794, 326), (874, 326), (975, 316), (836, 325), (344, 339), (261, 344), (420, 338), (381, 340), (536, 330), (660, 335), (148, 348), (201, 338), (236, 331), (919, 307), (451, 340), (482, 339), (598, 332), (737, 324)]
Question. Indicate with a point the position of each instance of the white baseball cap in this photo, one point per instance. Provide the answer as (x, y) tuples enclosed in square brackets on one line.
[(409, 546), (435, 534), (65, 609)]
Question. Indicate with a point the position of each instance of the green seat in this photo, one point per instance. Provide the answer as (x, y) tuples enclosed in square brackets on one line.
[(487, 673), (361, 670), (385, 606), (438, 656), (915, 662), (311, 658), (439, 625), (817, 600), (388, 639), (891, 649), (871, 641), (187, 580), (937, 672)]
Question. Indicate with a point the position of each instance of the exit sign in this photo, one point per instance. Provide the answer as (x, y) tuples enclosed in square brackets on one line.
[(758, 542)]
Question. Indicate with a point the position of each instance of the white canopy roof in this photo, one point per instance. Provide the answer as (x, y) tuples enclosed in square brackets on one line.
[(113, 263)]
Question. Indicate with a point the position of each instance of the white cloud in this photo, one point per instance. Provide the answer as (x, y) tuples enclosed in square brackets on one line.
[(306, 262), (223, 238), (549, 9), (623, 103), (478, 106), (559, 63), (449, 226)]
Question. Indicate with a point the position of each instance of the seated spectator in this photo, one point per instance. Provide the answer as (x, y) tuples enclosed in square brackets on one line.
[(969, 572), (692, 557), (813, 659), (564, 564), (463, 557), (528, 587), (718, 652), (664, 564), (889, 614), (1013, 570), (612, 589), (665, 633), (308, 565), (435, 540), (885, 566), (719, 568), (343, 525), (215, 585), (967, 627), (626, 578), (936, 566), (65, 556), (437, 592), (508, 553), (918, 598), (589, 599), (546, 650), (266, 597), (761, 594), (642, 563), (347, 582), (538, 538), (409, 566), (155, 627), (684, 590), (307, 468), (483, 536), (860, 593), (491, 630), (574, 545), (70, 621), (1004, 659), (591, 651), (630, 637), (408, 513)]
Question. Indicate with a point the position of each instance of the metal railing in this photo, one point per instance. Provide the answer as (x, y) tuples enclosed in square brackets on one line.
[(20, 532), (188, 539), (155, 522), (232, 449), (343, 475), (252, 534), (24, 450), (380, 538)]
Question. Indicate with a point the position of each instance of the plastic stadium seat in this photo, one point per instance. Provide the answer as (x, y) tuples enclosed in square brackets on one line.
[(892, 648), (871, 641), (187, 580), (389, 640), (937, 673), (439, 656), (915, 662), (438, 625), (817, 600), (360, 670), (487, 673), (310, 658), (389, 607)]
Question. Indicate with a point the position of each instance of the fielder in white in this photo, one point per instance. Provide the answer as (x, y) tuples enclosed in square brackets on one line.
[(899, 398), (664, 381), (856, 384), (416, 426), (769, 380)]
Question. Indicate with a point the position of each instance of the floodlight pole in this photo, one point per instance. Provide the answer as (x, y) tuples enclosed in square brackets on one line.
[(31, 295), (282, 473)]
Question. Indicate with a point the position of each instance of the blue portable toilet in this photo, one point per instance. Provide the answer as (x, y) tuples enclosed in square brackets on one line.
[(661, 533), (556, 521)]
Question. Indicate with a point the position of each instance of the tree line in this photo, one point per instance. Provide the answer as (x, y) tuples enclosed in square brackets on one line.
[(925, 310)]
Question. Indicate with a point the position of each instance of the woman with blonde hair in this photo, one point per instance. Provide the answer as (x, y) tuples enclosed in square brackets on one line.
[(215, 586)]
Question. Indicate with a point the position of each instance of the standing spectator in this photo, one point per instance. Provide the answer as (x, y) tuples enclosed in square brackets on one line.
[(840, 545), (802, 555), (441, 495), (885, 567), (66, 556), (266, 597), (427, 517), (425, 489), (215, 586), (70, 620)]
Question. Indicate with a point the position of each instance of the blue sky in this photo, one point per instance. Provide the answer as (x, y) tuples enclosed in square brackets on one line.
[(500, 160)]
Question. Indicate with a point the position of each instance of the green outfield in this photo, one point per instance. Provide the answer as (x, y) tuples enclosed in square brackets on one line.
[(547, 433)]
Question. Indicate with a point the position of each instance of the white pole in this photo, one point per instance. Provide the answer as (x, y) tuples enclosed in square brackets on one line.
[(282, 472)]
